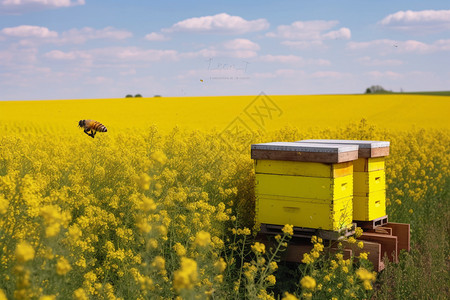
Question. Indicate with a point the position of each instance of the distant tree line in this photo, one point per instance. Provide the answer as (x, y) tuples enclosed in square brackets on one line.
[(377, 89), (139, 96)]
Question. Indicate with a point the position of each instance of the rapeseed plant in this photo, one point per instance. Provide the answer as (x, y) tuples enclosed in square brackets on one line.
[(144, 215)]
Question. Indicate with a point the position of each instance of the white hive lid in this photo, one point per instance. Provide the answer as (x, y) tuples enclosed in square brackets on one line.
[(360, 143), (305, 147)]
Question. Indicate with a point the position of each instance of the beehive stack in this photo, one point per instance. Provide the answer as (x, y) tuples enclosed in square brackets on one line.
[(369, 185), (304, 184)]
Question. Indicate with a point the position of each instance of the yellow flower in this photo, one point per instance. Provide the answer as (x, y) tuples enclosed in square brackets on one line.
[(159, 262), (2, 295), (159, 156), (152, 243), (202, 239), (273, 266), (62, 266), (351, 240), (147, 204), (410, 210), (179, 249), (271, 279), (308, 282), (246, 231), (363, 255), (259, 248), (307, 295), (288, 296), (307, 259), (24, 252), (218, 278), (318, 247), (350, 279), (367, 284), (51, 297), (80, 294), (144, 181), (220, 265), (186, 276), (4, 203), (288, 229), (364, 274), (360, 244)]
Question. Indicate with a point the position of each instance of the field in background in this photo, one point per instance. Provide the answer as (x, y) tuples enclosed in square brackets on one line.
[(152, 211), (399, 111)]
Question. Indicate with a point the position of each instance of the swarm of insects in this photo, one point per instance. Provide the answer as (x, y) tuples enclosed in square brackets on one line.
[(91, 127)]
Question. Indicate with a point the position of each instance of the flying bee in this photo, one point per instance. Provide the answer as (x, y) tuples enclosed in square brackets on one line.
[(91, 127)]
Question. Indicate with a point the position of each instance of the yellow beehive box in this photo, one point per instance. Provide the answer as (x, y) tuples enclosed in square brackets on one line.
[(368, 182), (370, 207), (298, 168), (301, 212), (364, 164), (304, 185), (369, 178)]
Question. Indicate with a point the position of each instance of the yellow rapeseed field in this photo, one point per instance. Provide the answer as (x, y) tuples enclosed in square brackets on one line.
[(162, 205), (385, 111)]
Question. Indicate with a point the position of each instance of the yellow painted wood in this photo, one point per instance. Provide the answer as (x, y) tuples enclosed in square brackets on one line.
[(304, 187), (370, 207), (299, 168), (334, 215), (368, 164), (368, 182)]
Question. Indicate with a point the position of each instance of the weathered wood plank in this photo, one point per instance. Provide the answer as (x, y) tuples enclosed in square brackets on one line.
[(403, 234), (373, 250), (321, 157), (388, 243)]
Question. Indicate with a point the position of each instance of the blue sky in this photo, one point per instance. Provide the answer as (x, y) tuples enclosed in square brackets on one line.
[(69, 49)]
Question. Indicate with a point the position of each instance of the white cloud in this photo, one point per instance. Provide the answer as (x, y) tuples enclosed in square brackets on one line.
[(386, 46), (154, 36), (302, 45), (241, 44), (220, 23), (330, 74), (369, 61), (386, 74), (18, 57), (80, 36), (425, 21), (280, 73), (237, 48), (343, 33), (115, 55), (23, 6), (26, 31), (290, 59), (293, 59), (71, 55), (31, 35), (310, 31)]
